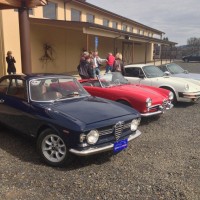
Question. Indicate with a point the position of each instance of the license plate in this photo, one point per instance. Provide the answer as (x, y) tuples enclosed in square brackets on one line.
[(120, 145)]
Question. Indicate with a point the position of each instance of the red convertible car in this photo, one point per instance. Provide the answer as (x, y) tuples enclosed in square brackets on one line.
[(147, 100)]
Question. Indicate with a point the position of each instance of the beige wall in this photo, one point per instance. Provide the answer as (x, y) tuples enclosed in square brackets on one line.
[(11, 36), (139, 53), (2, 52), (66, 44)]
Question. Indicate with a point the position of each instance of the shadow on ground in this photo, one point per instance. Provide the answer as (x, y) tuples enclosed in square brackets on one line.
[(23, 148), (185, 104)]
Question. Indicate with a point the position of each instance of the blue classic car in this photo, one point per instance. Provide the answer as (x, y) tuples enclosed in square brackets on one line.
[(175, 70), (63, 118)]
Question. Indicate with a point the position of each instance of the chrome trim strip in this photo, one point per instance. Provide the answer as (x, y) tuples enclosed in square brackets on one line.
[(94, 150), (151, 113), (189, 95)]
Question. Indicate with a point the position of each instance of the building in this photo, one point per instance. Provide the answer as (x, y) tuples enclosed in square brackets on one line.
[(61, 30)]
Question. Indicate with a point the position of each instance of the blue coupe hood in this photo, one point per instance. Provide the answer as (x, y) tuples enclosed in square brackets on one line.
[(92, 109)]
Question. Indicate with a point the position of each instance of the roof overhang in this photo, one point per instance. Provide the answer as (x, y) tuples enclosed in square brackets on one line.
[(99, 30), (13, 4)]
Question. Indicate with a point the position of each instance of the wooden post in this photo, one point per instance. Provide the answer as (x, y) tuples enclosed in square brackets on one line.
[(24, 28), (145, 59), (87, 45)]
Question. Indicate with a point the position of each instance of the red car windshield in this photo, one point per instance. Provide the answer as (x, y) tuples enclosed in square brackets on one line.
[(112, 79)]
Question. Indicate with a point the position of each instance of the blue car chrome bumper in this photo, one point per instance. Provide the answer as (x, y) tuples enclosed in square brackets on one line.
[(95, 150)]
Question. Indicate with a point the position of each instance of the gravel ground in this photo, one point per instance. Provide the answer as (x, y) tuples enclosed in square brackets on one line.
[(163, 163)]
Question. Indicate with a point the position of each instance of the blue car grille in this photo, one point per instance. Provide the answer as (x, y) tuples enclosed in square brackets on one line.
[(117, 129)]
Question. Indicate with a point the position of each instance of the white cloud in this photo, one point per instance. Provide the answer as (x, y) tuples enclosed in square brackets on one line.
[(178, 19)]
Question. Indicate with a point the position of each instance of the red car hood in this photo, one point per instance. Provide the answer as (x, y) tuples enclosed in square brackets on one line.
[(141, 91)]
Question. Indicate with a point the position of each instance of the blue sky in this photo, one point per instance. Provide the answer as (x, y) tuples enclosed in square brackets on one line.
[(179, 19)]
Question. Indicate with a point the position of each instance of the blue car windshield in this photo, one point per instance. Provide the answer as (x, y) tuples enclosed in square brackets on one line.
[(51, 89), (175, 69), (152, 71)]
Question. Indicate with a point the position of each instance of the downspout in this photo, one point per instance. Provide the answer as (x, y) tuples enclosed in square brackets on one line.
[(64, 10)]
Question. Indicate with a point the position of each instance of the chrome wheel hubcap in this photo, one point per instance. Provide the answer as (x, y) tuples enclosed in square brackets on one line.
[(53, 148)]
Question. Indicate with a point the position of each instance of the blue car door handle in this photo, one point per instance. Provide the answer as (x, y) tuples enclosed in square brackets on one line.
[(1, 101)]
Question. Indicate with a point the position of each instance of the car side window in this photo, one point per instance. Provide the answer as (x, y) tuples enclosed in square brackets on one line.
[(4, 84), (163, 68), (17, 89), (133, 72)]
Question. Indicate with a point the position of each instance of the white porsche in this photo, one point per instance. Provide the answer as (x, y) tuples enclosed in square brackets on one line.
[(186, 90)]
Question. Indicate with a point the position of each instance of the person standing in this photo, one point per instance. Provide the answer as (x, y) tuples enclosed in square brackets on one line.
[(118, 65), (85, 67), (11, 63), (97, 61), (110, 62)]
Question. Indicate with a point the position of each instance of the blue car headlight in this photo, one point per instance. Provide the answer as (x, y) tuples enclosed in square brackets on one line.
[(135, 123), (92, 137)]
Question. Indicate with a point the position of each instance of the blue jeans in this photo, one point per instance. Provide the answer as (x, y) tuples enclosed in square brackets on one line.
[(96, 72), (108, 68)]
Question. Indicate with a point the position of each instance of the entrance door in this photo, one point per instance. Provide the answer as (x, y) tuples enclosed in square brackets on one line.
[(127, 52)]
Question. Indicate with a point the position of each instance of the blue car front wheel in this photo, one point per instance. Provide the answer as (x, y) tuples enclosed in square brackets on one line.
[(53, 149)]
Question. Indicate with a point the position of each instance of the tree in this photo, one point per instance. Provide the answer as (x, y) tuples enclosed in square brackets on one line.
[(194, 44)]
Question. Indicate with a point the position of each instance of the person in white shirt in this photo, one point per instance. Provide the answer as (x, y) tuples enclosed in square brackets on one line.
[(97, 61)]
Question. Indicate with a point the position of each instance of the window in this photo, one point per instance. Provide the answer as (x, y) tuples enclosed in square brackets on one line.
[(124, 27), (30, 11), (114, 25), (133, 72), (142, 32), (75, 15), (4, 85), (163, 68), (49, 11), (90, 18), (131, 29), (105, 22), (138, 31), (17, 89)]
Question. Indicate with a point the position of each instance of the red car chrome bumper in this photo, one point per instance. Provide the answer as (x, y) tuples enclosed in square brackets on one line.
[(159, 110)]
